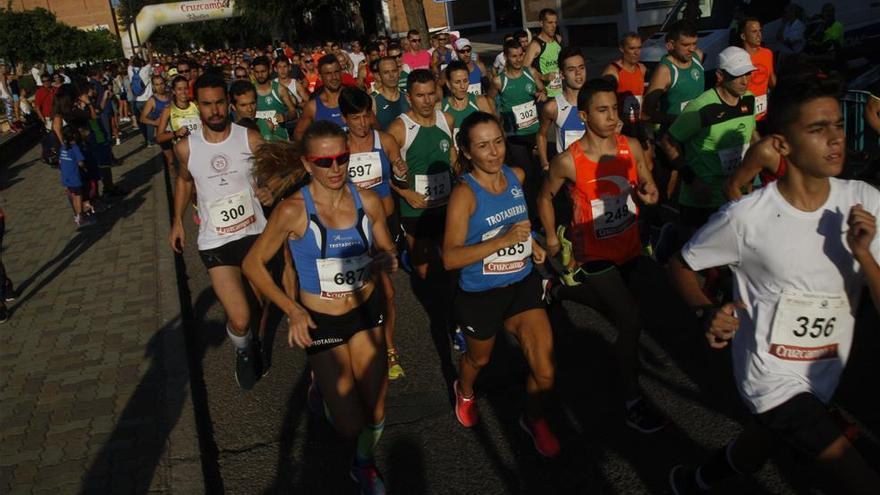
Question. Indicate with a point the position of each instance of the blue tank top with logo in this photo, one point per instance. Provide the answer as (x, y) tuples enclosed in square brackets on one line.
[(333, 114), (494, 215), (371, 169)]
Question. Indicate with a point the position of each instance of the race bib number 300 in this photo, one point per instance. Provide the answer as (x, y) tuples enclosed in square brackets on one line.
[(613, 215), (232, 213), (435, 187), (525, 115), (810, 327), (365, 169), (510, 259), (339, 277)]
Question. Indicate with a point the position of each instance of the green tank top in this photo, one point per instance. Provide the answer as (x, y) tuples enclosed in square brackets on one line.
[(460, 115), (548, 61), (426, 151), (387, 110), (267, 107), (519, 113), (686, 85)]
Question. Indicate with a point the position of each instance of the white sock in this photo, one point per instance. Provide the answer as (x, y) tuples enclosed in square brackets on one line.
[(240, 342)]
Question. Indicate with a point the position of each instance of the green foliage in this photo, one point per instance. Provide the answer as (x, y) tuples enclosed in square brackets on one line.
[(37, 36)]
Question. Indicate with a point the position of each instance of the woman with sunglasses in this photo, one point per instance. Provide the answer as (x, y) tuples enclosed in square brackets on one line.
[(488, 238), (338, 238), (373, 153)]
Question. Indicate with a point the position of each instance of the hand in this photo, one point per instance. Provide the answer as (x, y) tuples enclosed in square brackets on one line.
[(181, 133), (399, 168), (538, 253), (385, 261), (298, 324), (723, 325), (520, 232), (279, 118), (648, 193), (416, 200), (264, 195), (553, 244), (541, 96), (732, 192), (862, 229), (177, 237)]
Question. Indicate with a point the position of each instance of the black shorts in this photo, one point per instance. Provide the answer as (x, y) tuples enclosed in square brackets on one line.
[(230, 254), (335, 330), (481, 314), (430, 226), (802, 422), (167, 145)]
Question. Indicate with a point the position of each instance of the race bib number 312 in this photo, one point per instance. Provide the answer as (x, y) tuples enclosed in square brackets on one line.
[(810, 327)]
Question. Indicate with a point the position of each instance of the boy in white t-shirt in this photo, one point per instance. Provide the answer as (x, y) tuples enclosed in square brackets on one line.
[(801, 250)]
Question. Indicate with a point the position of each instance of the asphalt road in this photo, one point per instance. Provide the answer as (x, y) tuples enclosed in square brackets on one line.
[(266, 441)]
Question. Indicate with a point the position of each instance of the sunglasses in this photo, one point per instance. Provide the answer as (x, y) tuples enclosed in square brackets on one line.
[(327, 161), (415, 40), (464, 50)]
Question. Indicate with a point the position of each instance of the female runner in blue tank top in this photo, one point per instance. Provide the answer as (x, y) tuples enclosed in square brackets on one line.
[(372, 154), (498, 288), (338, 240)]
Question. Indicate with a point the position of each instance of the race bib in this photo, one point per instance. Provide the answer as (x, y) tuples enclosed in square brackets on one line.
[(684, 104), (193, 124), (572, 136), (731, 158), (266, 115), (525, 115), (339, 277), (475, 89), (435, 187), (760, 104), (510, 259), (613, 214), (365, 169), (556, 83), (232, 213), (809, 327)]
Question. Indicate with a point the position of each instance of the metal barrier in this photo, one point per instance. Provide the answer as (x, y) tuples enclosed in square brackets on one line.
[(853, 105)]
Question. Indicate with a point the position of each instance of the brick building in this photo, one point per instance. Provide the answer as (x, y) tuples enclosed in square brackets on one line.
[(84, 14), (435, 13)]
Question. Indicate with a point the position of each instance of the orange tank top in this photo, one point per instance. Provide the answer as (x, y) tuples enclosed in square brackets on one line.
[(630, 83), (759, 81), (604, 214)]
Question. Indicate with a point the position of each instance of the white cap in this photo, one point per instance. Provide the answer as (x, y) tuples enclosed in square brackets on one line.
[(461, 43), (735, 61)]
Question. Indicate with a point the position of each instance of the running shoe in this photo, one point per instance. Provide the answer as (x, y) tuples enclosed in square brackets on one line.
[(565, 246), (84, 221), (4, 315), (459, 344), (683, 480), (395, 370), (10, 291), (118, 142), (265, 356), (368, 479), (246, 372), (465, 408), (644, 417), (545, 441)]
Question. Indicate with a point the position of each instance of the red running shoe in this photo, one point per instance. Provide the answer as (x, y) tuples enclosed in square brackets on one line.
[(465, 408), (545, 441)]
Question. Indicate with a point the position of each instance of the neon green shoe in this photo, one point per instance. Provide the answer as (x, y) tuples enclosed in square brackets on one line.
[(565, 246), (395, 370)]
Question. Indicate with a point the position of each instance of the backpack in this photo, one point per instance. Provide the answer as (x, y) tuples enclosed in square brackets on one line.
[(137, 83)]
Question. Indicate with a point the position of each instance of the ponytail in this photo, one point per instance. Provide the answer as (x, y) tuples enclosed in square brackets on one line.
[(278, 163)]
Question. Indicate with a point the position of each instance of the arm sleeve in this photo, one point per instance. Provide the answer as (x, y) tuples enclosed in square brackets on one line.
[(687, 124), (716, 244)]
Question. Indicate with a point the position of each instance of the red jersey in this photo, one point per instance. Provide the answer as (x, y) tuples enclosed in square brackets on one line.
[(43, 99), (759, 82), (604, 226)]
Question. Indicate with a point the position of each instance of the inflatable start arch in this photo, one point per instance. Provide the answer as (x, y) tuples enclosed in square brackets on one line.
[(153, 16)]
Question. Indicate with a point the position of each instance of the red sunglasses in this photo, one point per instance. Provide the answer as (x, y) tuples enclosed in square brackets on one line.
[(327, 161)]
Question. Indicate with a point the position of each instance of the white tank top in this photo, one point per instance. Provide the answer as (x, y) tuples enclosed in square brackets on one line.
[(291, 86), (228, 207)]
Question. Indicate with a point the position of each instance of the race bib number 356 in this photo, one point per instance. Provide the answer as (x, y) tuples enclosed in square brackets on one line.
[(232, 213), (810, 327)]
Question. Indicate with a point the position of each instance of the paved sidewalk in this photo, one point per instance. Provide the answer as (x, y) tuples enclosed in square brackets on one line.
[(93, 378)]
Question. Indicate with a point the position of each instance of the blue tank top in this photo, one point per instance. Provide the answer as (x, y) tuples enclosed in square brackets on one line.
[(371, 169), (475, 81), (494, 215), (323, 112), (569, 126), (159, 107), (332, 262)]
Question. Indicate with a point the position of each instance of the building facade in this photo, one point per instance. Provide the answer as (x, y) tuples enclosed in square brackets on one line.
[(84, 14)]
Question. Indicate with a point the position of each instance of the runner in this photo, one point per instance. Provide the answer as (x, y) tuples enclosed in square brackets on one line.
[(498, 286), (326, 105), (605, 172), (373, 153), (403, 70), (150, 114), (476, 70), (243, 96), (461, 102), (678, 78), (389, 100), (801, 250), (562, 110), (297, 90), (414, 56), (424, 135), (216, 162), (764, 77), (708, 140), (442, 55), (365, 76), (337, 313), (543, 52), (181, 117), (275, 105), (629, 76)]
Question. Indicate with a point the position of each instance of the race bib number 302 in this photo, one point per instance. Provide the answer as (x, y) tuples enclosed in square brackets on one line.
[(510, 259), (525, 115), (365, 169), (339, 277), (810, 327), (232, 213)]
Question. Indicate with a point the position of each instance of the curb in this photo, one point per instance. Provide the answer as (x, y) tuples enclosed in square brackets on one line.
[(181, 461)]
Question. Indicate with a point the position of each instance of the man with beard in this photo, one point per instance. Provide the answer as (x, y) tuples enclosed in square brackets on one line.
[(326, 105), (217, 162), (274, 103)]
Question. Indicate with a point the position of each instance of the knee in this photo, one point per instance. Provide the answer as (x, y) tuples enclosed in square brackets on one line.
[(476, 361), (239, 321)]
